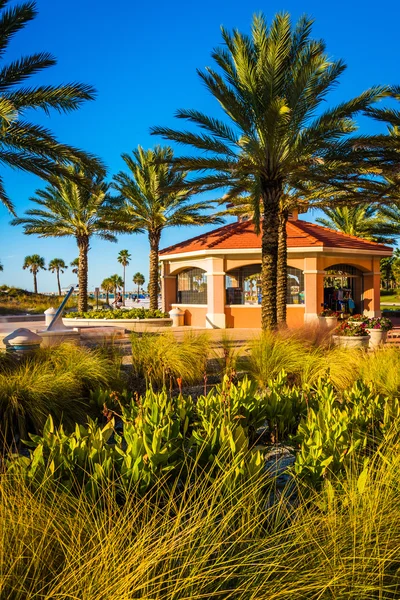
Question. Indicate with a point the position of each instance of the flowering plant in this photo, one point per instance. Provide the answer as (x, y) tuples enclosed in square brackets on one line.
[(348, 328), (359, 318), (381, 323), (328, 312)]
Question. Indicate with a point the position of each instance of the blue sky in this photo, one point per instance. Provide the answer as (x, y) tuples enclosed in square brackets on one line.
[(142, 59)]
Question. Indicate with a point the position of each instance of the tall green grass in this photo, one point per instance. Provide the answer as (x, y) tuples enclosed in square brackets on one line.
[(161, 359), (54, 381), (195, 542)]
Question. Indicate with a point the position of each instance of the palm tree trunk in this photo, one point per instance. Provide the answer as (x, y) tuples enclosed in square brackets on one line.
[(154, 239), (271, 194), (138, 288), (83, 246), (35, 282), (281, 288), (106, 296), (58, 282)]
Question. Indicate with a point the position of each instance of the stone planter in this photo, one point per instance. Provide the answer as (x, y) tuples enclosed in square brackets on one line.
[(351, 341), (327, 322), (377, 337)]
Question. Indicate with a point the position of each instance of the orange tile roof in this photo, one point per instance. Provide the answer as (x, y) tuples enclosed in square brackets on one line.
[(300, 234)]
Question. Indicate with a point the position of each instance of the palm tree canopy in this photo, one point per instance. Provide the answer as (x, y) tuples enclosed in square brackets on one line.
[(362, 221), (34, 262), (271, 86), (138, 278), (75, 265), (116, 281), (107, 284), (57, 264), (124, 257), (154, 195), (24, 145), (69, 208)]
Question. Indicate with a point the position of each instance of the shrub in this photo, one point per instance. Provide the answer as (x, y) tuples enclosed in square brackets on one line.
[(133, 313), (162, 359), (351, 328)]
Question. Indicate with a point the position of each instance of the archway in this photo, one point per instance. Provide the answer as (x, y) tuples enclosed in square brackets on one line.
[(192, 286), (343, 288)]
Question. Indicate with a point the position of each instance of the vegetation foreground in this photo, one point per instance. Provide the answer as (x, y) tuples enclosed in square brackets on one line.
[(171, 496)]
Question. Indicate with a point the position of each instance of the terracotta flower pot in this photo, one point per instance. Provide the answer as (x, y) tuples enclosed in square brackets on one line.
[(351, 341), (377, 337), (327, 322)]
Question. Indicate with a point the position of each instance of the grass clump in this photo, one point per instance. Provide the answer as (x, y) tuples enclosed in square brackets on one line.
[(15, 301), (54, 381), (161, 359), (133, 313)]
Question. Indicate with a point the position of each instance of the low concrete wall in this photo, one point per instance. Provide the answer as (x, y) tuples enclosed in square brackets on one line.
[(129, 324)]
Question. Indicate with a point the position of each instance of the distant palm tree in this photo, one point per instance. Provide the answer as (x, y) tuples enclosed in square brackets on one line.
[(107, 285), (75, 266), (271, 86), (69, 208), (34, 263), (139, 280), (117, 283), (123, 258), (24, 145), (362, 221), (154, 200), (55, 266), (1, 267)]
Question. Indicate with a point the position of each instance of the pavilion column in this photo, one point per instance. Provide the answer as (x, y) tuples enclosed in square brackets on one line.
[(215, 317), (372, 293), (314, 289), (168, 287)]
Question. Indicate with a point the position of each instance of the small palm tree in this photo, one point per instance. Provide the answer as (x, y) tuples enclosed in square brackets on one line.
[(107, 285), (154, 199), (272, 86), (139, 280), (34, 263), (117, 283), (77, 209), (75, 266), (55, 266), (24, 145), (123, 258)]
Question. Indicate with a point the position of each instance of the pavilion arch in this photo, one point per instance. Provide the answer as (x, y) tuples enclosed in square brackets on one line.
[(191, 286)]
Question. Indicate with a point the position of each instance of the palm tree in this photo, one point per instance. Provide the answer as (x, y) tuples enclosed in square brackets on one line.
[(154, 199), (117, 283), (362, 221), (55, 266), (24, 145), (75, 265), (270, 85), (139, 280), (70, 208), (34, 263), (108, 286), (123, 258)]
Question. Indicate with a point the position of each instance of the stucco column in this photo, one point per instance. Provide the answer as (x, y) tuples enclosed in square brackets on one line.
[(168, 287), (314, 289), (372, 291), (215, 317)]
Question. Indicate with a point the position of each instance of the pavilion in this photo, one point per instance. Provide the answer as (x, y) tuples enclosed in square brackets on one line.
[(215, 277)]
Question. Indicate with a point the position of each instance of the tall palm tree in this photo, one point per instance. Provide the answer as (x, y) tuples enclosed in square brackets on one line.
[(107, 286), (270, 85), (117, 283), (70, 208), (75, 266), (123, 258), (24, 145), (34, 263), (139, 280), (55, 266), (154, 199)]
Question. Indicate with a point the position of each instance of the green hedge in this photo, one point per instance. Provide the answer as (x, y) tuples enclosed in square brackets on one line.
[(134, 313)]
